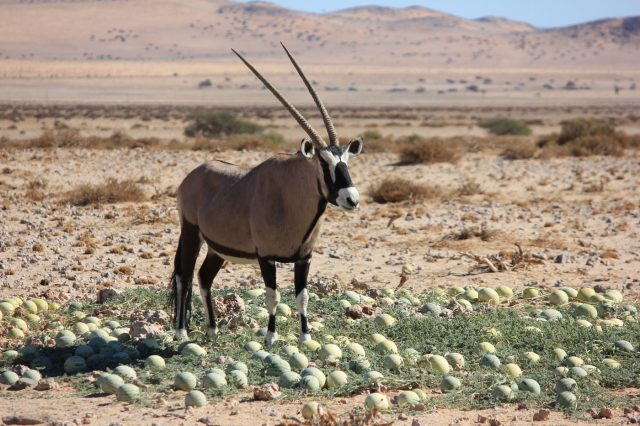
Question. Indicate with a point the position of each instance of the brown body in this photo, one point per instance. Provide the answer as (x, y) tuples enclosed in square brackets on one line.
[(271, 211)]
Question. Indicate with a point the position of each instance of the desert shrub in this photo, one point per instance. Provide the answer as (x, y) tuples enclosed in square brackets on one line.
[(519, 151), (505, 126), (71, 138), (268, 141), (215, 124), (417, 150), (376, 142), (581, 127), (394, 190), (586, 137), (112, 191)]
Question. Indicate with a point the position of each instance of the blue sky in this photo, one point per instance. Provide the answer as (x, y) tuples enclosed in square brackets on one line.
[(541, 13)]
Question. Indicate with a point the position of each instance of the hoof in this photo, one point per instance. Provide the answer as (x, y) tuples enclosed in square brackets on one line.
[(271, 338), (181, 334), (212, 332), (304, 337)]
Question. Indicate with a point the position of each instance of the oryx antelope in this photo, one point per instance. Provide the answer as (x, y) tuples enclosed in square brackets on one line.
[(267, 214)]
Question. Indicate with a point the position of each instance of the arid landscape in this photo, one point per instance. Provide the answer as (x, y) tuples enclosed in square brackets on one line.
[(496, 154)]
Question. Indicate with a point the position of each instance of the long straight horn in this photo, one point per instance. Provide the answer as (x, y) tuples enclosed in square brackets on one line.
[(333, 136), (315, 136)]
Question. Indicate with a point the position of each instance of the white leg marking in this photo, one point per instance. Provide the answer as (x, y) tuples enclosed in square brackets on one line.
[(273, 298), (302, 300), (304, 337), (271, 338), (203, 295)]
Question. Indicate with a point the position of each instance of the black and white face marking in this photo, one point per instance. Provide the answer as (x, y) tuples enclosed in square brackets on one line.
[(334, 165)]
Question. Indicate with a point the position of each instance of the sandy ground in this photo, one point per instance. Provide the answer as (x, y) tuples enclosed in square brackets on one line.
[(579, 216)]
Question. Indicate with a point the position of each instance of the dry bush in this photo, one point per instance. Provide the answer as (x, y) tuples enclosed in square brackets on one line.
[(35, 190), (417, 150), (505, 126), (586, 137), (522, 150), (394, 190), (112, 191), (469, 232), (269, 141), (71, 138), (376, 142), (214, 124), (469, 188)]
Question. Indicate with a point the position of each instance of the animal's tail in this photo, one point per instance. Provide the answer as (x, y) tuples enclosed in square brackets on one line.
[(173, 286)]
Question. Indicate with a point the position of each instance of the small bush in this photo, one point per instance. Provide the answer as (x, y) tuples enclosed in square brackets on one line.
[(394, 190), (581, 127), (269, 141), (376, 142), (519, 151), (416, 150), (112, 191), (216, 124), (505, 126)]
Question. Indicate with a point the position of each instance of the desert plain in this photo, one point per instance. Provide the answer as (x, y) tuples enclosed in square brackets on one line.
[(89, 105)]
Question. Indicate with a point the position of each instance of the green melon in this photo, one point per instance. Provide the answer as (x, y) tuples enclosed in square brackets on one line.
[(392, 362), (529, 385), (386, 347), (33, 375), (214, 381), (567, 401), (310, 383), (289, 380), (439, 364), (330, 352), (155, 362), (195, 398), (376, 401), (455, 360), (354, 350), (313, 371), (9, 378), (502, 393), (127, 393), (185, 381), (490, 361), (298, 361), (311, 410), (450, 384), (512, 370), (74, 365), (109, 383), (336, 379), (125, 372), (565, 384), (236, 365), (385, 320), (504, 291), (489, 295), (405, 398), (558, 297), (530, 293), (193, 350), (238, 378)]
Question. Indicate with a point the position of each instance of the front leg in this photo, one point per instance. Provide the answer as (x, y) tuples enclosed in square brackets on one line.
[(302, 295), (268, 270)]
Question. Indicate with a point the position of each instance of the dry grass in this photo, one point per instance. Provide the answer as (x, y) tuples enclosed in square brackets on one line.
[(467, 233), (521, 150), (395, 190), (247, 142), (587, 137), (112, 191), (417, 150)]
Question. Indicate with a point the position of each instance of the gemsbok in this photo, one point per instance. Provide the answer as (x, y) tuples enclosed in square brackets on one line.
[(270, 213)]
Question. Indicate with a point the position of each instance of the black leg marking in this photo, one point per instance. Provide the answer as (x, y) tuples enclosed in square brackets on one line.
[(207, 273), (268, 270), (301, 273), (190, 244)]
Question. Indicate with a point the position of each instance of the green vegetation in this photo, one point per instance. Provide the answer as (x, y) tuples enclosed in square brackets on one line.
[(426, 324), (216, 124), (505, 126)]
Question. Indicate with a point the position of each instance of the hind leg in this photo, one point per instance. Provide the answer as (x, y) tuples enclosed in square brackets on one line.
[(189, 247), (268, 270), (301, 272), (206, 275)]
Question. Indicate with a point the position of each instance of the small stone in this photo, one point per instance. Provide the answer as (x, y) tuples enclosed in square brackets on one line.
[(266, 392), (107, 294), (46, 384), (541, 416), (402, 416), (605, 413), (24, 383), (416, 422)]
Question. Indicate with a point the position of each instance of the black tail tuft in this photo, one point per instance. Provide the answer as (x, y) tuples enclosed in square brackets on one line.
[(173, 288)]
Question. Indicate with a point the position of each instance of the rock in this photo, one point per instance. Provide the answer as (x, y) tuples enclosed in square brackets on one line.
[(46, 384), (107, 294), (21, 420), (24, 383), (141, 329), (266, 392), (354, 312), (541, 416)]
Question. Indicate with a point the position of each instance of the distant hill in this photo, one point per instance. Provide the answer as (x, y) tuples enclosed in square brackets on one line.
[(175, 30)]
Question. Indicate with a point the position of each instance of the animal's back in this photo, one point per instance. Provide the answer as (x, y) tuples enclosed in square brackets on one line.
[(202, 184)]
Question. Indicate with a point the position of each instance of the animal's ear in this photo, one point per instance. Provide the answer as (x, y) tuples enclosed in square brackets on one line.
[(355, 146), (307, 148)]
